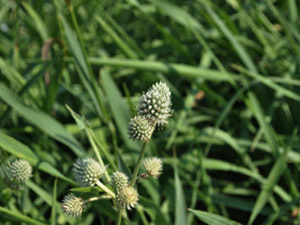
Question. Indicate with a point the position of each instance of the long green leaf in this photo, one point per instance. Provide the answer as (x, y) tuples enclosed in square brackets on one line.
[(257, 110), (154, 211), (41, 120), (165, 67), (53, 211), (11, 74), (180, 204), (39, 23), (269, 83), (83, 66), (212, 219), (268, 186), (16, 216), (232, 39), (119, 108), (20, 150), (179, 15)]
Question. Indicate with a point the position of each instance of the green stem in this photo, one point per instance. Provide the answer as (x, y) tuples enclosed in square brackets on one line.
[(119, 218), (138, 165), (104, 188), (89, 133), (89, 67), (92, 199)]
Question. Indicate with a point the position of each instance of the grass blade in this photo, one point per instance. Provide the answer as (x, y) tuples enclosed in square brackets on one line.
[(20, 150), (39, 23), (165, 67), (122, 45), (84, 68), (212, 219), (269, 83), (257, 110), (16, 216), (180, 204), (268, 186), (119, 108), (41, 120), (53, 211), (11, 74), (232, 39)]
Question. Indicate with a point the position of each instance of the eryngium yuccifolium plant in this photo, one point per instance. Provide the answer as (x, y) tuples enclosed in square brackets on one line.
[(20, 170), (156, 103), (72, 205), (140, 129), (153, 166), (119, 180), (87, 171), (127, 198)]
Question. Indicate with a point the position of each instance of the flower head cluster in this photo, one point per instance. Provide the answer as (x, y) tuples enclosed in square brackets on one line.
[(20, 170), (72, 205), (127, 198), (153, 166), (87, 171), (156, 104), (119, 180), (140, 129), (154, 109)]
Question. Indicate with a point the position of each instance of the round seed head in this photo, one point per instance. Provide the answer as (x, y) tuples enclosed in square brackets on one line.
[(87, 171), (20, 170), (127, 198), (119, 181), (140, 129), (153, 166), (156, 103), (72, 206)]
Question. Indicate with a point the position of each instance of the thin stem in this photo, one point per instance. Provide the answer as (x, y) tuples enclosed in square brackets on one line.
[(104, 188), (138, 164), (89, 133), (119, 218), (89, 67), (92, 199), (142, 215)]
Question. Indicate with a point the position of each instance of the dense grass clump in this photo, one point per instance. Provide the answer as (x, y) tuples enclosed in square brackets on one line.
[(177, 112)]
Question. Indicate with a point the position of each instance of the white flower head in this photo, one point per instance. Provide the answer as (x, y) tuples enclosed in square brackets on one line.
[(87, 171), (156, 104), (72, 206), (140, 129), (127, 198), (20, 170), (119, 180), (153, 166)]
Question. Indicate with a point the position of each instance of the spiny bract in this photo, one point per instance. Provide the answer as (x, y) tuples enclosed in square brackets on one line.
[(153, 166), (20, 170), (119, 180), (140, 129), (72, 206), (156, 103), (87, 171), (127, 198)]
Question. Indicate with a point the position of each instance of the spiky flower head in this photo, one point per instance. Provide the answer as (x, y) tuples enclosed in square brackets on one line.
[(87, 171), (140, 129), (72, 205), (20, 170), (153, 166), (156, 103), (127, 198), (119, 180)]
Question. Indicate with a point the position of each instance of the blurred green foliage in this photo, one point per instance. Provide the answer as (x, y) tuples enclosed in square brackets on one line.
[(231, 151)]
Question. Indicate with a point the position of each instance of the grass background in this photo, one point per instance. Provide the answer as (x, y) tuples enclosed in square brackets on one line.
[(231, 150)]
